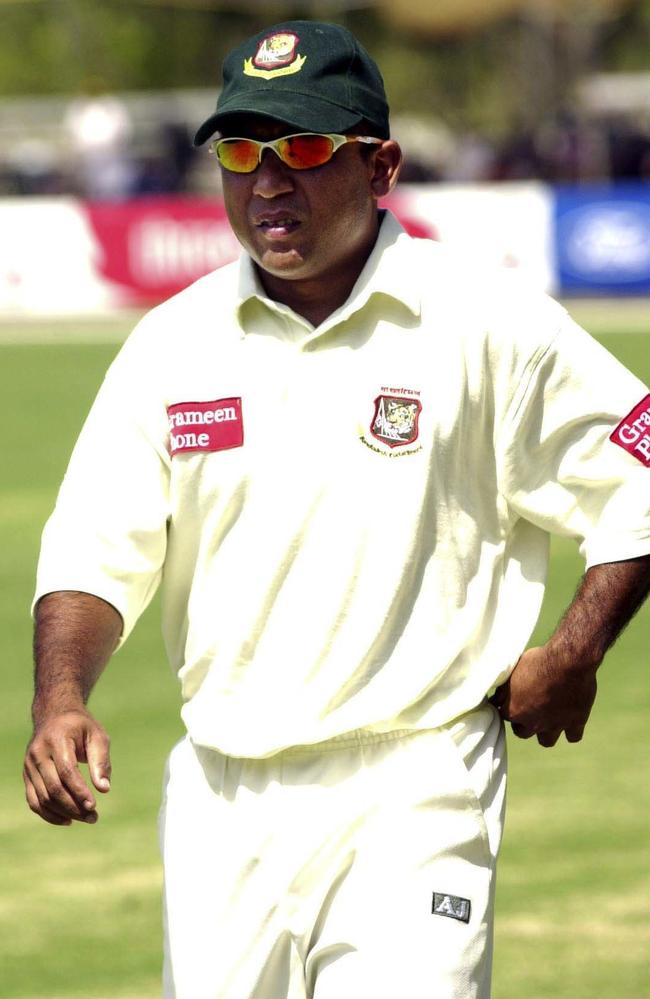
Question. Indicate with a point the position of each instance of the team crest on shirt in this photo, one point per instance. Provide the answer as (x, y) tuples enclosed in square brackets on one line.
[(395, 420), (277, 55)]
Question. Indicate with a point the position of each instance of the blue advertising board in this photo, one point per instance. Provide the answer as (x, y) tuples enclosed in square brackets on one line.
[(602, 239)]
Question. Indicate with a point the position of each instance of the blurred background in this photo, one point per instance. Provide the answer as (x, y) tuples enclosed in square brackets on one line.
[(538, 109), (101, 98), (526, 128)]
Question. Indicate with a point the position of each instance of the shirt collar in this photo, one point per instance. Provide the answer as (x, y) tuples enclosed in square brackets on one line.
[(387, 271)]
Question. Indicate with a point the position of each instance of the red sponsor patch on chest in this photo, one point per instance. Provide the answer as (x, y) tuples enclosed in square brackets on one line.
[(205, 426), (633, 432)]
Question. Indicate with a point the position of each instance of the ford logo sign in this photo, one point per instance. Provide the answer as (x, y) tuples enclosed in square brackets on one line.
[(606, 240)]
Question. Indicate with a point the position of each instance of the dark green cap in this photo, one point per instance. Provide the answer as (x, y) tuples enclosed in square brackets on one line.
[(315, 77)]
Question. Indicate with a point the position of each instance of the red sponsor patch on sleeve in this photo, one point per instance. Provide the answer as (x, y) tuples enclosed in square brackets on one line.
[(633, 432), (205, 426)]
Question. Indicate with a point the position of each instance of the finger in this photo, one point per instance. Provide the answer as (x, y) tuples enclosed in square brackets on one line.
[(67, 767), (575, 734), (521, 731), (53, 818), (42, 811), (549, 738), (39, 799), (99, 759), (57, 763), (38, 784), (500, 697), (55, 796)]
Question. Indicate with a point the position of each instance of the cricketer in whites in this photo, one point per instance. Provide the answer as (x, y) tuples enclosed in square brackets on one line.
[(343, 454)]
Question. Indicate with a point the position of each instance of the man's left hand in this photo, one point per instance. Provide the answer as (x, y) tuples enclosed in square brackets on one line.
[(544, 697)]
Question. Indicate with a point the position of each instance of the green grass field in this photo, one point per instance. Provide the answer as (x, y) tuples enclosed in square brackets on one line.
[(80, 907)]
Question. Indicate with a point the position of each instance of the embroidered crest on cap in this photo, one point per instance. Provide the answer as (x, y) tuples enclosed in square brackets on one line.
[(395, 420), (633, 432), (205, 426), (277, 55), (451, 906)]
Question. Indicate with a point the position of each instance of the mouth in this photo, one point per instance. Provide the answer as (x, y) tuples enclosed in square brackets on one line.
[(276, 226)]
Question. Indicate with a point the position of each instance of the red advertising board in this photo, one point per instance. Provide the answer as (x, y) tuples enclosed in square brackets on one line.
[(152, 248)]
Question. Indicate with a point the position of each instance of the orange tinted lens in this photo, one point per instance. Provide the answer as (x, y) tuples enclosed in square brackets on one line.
[(239, 155), (305, 151)]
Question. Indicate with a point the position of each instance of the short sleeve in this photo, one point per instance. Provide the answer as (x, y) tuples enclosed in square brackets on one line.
[(559, 466), (107, 533)]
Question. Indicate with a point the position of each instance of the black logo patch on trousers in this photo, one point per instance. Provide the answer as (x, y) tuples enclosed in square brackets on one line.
[(451, 906)]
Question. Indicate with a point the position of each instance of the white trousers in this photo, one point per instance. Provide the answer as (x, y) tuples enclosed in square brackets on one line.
[(361, 867)]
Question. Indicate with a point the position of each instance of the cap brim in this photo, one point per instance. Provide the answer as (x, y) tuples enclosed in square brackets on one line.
[(300, 111)]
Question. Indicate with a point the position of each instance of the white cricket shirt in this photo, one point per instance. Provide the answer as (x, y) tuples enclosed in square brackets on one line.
[(351, 522)]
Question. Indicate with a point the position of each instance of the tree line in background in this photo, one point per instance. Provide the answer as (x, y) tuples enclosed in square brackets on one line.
[(508, 74)]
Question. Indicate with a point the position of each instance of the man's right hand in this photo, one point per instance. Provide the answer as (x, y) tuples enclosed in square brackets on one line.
[(54, 787)]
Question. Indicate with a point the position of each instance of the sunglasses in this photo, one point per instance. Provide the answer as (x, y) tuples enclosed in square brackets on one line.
[(300, 152)]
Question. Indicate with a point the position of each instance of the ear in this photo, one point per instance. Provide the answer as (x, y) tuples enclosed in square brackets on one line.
[(386, 164)]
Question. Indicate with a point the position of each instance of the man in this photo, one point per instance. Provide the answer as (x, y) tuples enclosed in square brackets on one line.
[(344, 454)]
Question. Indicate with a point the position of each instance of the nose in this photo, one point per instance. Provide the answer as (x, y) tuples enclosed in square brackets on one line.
[(272, 177)]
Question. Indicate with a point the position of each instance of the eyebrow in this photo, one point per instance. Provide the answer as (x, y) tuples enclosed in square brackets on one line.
[(243, 128)]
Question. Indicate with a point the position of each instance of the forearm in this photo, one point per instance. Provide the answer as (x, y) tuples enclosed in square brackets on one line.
[(606, 600), (75, 636)]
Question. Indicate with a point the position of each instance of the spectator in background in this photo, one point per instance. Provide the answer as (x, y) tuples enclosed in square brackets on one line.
[(167, 171), (179, 153), (99, 127), (31, 167), (629, 152), (474, 159)]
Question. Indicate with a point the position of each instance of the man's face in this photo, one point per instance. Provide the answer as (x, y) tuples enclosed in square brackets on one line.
[(302, 224)]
